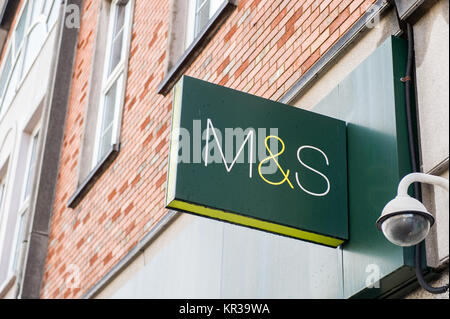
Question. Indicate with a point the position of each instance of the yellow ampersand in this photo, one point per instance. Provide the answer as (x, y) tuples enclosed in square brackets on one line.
[(272, 157)]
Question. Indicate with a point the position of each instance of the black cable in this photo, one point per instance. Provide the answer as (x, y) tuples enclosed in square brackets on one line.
[(413, 157), (420, 277)]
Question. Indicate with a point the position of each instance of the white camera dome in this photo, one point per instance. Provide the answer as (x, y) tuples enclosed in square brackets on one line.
[(405, 221)]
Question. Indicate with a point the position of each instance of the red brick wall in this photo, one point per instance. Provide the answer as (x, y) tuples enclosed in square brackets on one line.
[(263, 48)]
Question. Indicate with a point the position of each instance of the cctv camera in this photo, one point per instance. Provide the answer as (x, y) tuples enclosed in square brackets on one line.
[(405, 221)]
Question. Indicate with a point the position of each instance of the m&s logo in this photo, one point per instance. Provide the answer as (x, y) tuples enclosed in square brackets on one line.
[(272, 159)]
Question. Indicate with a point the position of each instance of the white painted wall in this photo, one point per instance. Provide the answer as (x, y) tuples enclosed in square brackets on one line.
[(16, 123), (432, 58)]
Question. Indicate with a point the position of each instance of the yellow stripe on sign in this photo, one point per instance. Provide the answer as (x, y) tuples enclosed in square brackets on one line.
[(255, 223)]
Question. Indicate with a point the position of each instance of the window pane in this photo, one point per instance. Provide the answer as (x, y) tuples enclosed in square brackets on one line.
[(4, 257), (214, 6), (35, 41), (116, 52), (47, 6), (20, 239), (120, 19), (37, 9), (117, 39), (105, 144), (11, 84), (198, 18), (107, 122), (2, 192), (31, 166), (202, 3), (110, 101), (190, 27), (51, 11), (202, 16), (21, 27), (4, 75)]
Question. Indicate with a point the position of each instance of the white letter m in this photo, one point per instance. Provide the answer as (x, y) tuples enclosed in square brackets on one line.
[(228, 168)]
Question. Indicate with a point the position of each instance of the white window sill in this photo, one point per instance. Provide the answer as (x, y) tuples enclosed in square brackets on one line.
[(89, 182), (7, 286)]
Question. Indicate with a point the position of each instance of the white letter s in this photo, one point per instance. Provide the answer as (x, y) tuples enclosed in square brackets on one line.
[(312, 169)]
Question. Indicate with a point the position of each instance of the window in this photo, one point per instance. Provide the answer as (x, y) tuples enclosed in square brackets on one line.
[(5, 75), (114, 78), (31, 165), (199, 14), (192, 23), (4, 249), (26, 193), (101, 132), (35, 20), (2, 195)]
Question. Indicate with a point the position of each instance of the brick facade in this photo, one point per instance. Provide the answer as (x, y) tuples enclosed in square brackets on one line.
[(263, 48)]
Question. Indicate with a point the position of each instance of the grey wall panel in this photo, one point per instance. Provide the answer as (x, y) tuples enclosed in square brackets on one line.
[(185, 262), (366, 99), (202, 258), (262, 265)]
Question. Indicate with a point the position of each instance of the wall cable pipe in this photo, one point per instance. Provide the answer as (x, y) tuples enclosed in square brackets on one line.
[(413, 157)]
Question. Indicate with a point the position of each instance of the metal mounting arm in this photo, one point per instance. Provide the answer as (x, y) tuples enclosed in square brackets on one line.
[(420, 178)]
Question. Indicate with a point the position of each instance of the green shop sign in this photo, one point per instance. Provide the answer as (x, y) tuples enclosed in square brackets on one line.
[(254, 162)]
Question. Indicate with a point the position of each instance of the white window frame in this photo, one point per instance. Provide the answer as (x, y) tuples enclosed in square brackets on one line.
[(33, 138), (18, 55), (33, 146), (117, 77), (4, 216), (194, 7), (2, 197)]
